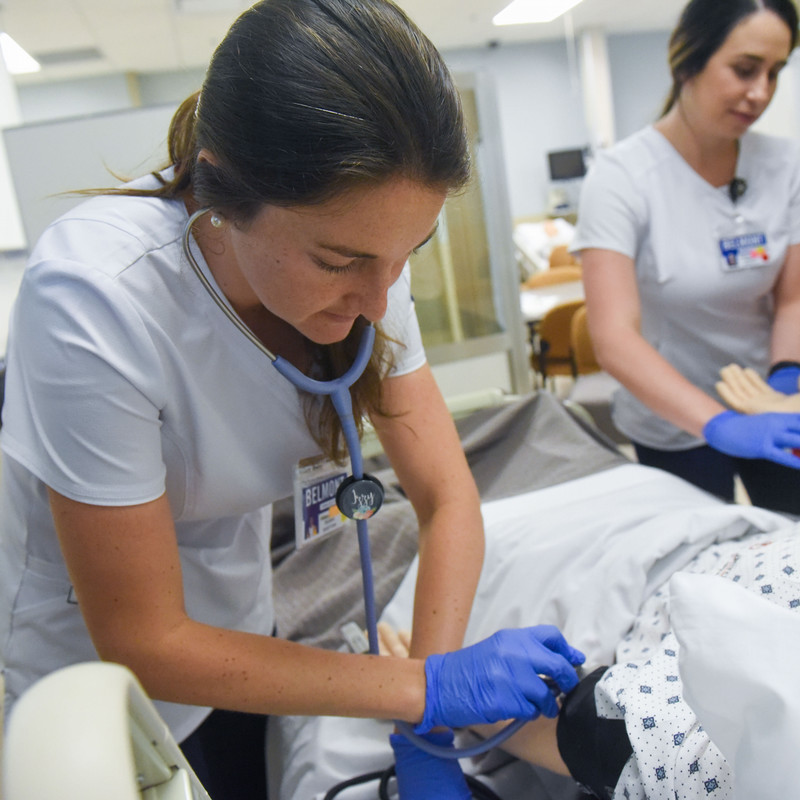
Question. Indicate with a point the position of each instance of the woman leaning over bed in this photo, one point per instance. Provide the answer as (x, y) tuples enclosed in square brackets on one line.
[(145, 438)]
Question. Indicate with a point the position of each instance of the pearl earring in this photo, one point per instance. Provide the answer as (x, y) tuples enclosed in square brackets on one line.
[(216, 221)]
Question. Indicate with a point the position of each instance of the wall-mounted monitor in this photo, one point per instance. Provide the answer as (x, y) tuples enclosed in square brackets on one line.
[(567, 164)]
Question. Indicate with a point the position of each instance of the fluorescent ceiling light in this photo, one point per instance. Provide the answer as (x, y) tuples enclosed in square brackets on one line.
[(520, 12), (16, 59), (210, 6)]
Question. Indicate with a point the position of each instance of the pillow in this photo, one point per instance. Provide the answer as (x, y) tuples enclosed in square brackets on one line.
[(739, 663)]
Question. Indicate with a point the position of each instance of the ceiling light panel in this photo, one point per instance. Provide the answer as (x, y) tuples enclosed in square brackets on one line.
[(210, 6), (523, 12), (17, 60)]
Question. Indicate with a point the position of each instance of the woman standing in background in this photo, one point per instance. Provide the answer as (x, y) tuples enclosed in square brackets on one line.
[(689, 233)]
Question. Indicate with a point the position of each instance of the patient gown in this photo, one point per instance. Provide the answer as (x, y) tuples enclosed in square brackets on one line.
[(673, 756)]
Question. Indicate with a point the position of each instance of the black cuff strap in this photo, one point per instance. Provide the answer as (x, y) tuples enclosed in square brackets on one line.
[(782, 365), (594, 749)]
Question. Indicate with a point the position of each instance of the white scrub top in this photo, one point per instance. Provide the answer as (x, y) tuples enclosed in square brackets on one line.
[(705, 265), (124, 381)]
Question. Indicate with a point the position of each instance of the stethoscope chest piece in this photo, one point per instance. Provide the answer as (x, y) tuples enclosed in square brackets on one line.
[(359, 498)]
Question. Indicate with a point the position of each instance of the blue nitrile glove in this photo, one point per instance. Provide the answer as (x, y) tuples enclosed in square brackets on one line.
[(422, 776), (768, 436), (498, 678), (784, 376)]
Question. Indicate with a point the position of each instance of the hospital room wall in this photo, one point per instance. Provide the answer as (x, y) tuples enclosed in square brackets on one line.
[(540, 96), (537, 84), (541, 103), (538, 87), (538, 93)]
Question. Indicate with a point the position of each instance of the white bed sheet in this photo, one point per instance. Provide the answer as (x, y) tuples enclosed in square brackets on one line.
[(582, 555)]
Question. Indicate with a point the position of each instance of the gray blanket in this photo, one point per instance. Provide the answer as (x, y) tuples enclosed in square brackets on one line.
[(529, 444)]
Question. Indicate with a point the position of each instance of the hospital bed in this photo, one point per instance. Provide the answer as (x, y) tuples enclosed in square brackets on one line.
[(577, 536)]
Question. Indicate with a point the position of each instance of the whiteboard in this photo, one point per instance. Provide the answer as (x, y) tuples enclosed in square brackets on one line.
[(49, 158)]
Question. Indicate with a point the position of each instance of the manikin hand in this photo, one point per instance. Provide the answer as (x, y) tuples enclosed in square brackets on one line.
[(392, 642), (745, 391)]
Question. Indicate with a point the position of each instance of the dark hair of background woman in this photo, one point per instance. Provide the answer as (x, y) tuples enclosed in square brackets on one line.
[(703, 27), (304, 99)]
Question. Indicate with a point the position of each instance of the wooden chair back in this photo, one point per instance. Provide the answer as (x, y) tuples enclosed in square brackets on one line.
[(583, 355), (560, 256), (552, 346), (551, 277)]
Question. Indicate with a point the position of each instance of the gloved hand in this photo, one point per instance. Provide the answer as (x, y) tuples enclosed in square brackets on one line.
[(422, 776), (498, 678), (767, 436), (785, 378)]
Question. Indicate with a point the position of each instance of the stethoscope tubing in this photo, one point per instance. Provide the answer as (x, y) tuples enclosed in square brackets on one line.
[(339, 391)]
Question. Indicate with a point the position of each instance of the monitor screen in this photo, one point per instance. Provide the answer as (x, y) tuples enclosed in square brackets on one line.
[(566, 164)]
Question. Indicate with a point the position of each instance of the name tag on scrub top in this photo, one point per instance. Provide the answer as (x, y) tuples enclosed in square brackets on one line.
[(747, 251), (316, 515)]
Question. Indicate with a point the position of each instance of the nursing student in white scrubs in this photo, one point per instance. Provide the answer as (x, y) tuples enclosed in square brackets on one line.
[(689, 233), (145, 438)]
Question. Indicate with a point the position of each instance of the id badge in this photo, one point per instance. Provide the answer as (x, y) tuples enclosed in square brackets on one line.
[(316, 481), (744, 251)]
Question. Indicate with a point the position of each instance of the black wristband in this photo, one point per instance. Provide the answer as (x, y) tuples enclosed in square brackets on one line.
[(782, 365)]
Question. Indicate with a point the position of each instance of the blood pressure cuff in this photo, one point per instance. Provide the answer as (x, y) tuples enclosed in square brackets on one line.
[(594, 749)]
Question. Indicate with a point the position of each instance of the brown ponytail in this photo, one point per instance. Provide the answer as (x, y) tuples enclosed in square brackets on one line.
[(182, 146)]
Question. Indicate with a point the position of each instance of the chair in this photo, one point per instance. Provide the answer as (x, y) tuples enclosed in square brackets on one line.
[(593, 390), (552, 341), (551, 277), (560, 256), (583, 357)]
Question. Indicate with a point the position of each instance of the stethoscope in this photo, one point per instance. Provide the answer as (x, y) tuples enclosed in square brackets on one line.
[(353, 490)]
